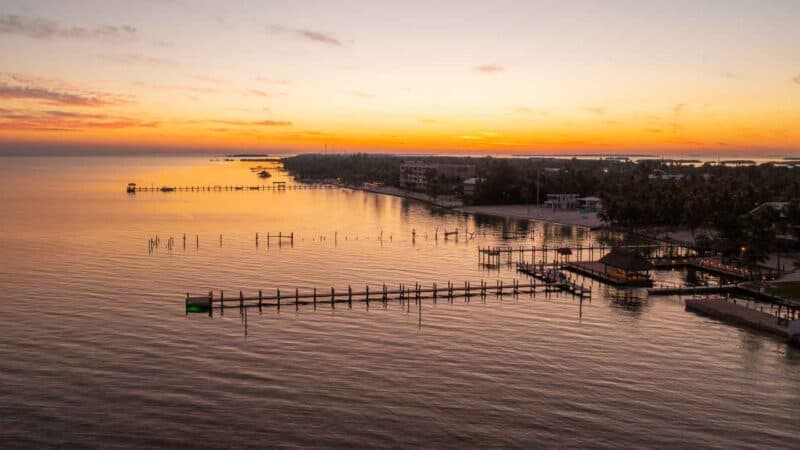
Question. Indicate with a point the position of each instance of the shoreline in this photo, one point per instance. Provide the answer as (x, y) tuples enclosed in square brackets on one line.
[(571, 218)]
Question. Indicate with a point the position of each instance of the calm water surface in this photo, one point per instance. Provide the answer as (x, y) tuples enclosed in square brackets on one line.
[(96, 350)]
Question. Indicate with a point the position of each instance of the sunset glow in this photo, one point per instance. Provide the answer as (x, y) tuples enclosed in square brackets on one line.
[(484, 77)]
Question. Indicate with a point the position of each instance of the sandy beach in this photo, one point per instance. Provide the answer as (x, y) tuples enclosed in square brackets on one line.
[(529, 212)]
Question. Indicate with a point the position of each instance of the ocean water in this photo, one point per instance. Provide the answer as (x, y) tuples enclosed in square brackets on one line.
[(96, 349)]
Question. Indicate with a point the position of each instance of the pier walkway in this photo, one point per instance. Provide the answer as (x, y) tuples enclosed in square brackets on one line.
[(381, 294), (225, 188)]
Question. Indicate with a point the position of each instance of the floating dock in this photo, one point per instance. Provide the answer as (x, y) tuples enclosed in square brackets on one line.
[(737, 313)]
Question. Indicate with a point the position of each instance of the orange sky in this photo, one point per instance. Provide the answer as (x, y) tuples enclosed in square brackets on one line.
[(566, 77)]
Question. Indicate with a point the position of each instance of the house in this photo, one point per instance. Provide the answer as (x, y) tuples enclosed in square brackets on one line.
[(661, 175), (561, 201), (627, 265), (417, 174), (777, 206), (590, 204), (469, 186)]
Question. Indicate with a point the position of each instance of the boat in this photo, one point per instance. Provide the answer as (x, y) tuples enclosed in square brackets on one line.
[(167, 189), (264, 174), (554, 276)]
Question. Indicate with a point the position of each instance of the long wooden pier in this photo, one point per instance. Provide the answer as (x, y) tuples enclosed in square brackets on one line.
[(379, 294), (713, 266), (225, 188), (494, 255)]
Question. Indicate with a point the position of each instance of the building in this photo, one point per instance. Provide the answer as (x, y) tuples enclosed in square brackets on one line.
[(561, 201), (592, 204), (777, 206), (417, 174), (469, 186), (661, 175)]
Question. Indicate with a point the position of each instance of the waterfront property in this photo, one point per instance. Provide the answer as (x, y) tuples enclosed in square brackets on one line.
[(562, 201), (620, 267), (419, 174)]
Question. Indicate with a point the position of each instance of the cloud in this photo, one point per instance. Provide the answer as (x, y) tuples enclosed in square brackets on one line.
[(305, 34), (796, 79), (596, 110), (488, 68), (138, 59), (53, 97), (38, 28), (271, 80), (273, 123), (262, 123), (58, 120)]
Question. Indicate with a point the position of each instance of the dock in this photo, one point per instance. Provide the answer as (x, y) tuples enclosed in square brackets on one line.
[(599, 272), (538, 272), (383, 294), (715, 266), (494, 255), (275, 187), (725, 310), (692, 290)]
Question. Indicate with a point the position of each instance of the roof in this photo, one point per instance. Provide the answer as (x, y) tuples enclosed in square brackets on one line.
[(778, 206), (627, 260)]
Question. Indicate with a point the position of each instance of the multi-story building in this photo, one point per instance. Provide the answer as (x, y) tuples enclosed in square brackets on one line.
[(416, 174)]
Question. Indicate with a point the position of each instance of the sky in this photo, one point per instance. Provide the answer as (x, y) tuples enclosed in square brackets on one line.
[(555, 77)]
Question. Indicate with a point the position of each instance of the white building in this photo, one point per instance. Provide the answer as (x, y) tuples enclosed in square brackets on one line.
[(561, 201)]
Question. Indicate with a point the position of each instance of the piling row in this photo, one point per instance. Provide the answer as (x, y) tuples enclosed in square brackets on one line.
[(220, 188), (402, 293)]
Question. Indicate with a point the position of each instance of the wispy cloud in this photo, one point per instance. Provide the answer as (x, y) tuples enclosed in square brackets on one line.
[(39, 28), (305, 34), (273, 123), (138, 59), (489, 68), (270, 80), (595, 110), (244, 123), (796, 79), (58, 120), (53, 97)]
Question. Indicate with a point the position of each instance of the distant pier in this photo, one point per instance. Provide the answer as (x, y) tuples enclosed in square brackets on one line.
[(276, 186)]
